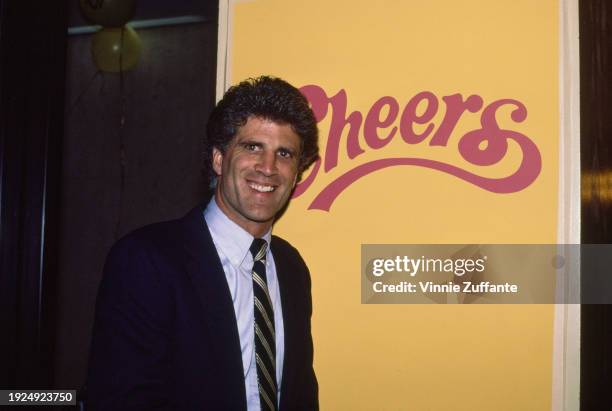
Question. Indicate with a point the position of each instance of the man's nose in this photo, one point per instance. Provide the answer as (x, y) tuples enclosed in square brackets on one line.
[(267, 163)]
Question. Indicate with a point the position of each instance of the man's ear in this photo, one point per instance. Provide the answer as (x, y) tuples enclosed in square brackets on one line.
[(217, 160)]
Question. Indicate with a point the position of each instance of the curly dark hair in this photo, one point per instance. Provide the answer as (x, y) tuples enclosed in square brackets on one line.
[(269, 98)]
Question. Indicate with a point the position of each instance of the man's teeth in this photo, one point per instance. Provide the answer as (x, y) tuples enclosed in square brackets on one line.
[(261, 188)]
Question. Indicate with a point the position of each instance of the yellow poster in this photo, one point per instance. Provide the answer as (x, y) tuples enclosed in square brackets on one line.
[(439, 124)]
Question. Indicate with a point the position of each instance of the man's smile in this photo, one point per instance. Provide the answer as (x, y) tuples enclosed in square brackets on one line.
[(262, 188)]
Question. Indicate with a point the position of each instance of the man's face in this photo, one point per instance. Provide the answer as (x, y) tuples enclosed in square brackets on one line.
[(257, 173)]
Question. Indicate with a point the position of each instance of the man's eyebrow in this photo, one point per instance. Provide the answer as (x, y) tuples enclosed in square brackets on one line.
[(248, 142)]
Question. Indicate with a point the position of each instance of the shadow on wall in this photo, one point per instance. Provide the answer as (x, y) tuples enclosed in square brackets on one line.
[(132, 155)]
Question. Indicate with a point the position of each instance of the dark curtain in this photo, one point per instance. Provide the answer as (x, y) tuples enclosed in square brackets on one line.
[(32, 56)]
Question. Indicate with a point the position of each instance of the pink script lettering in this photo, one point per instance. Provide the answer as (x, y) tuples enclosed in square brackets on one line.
[(378, 132)]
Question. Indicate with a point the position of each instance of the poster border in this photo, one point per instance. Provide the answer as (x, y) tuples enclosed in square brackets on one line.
[(566, 330)]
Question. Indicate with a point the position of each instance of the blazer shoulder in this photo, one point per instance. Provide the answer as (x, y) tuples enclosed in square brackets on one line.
[(283, 247), (162, 236), (281, 243), (141, 237), (287, 257), (159, 249)]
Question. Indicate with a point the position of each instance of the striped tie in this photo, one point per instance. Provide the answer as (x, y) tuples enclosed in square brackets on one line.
[(265, 340)]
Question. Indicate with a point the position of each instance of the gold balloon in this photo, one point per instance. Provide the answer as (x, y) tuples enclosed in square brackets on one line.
[(108, 13), (112, 53)]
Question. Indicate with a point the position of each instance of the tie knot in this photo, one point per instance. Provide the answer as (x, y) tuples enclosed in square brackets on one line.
[(258, 249)]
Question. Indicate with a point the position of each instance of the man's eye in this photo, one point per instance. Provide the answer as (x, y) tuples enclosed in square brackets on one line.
[(285, 154), (251, 147)]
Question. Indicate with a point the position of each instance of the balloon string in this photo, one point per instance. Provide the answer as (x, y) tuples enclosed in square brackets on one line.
[(82, 93), (122, 154)]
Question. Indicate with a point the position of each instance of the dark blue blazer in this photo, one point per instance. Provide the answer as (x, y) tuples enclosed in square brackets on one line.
[(165, 334)]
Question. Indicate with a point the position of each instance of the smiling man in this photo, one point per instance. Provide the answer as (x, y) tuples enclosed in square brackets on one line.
[(257, 173), (212, 312)]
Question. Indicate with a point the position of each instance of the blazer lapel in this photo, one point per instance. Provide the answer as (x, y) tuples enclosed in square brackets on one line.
[(283, 273), (209, 282)]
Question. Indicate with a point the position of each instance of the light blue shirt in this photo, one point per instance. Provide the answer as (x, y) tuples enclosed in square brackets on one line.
[(232, 243)]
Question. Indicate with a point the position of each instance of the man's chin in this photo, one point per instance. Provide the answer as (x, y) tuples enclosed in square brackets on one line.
[(261, 219)]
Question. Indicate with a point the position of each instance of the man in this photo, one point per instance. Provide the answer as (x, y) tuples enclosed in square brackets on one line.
[(212, 312)]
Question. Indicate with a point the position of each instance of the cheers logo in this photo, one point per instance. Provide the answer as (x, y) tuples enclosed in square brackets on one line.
[(485, 146)]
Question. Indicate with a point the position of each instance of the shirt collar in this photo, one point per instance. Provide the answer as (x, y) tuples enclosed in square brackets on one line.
[(228, 236)]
